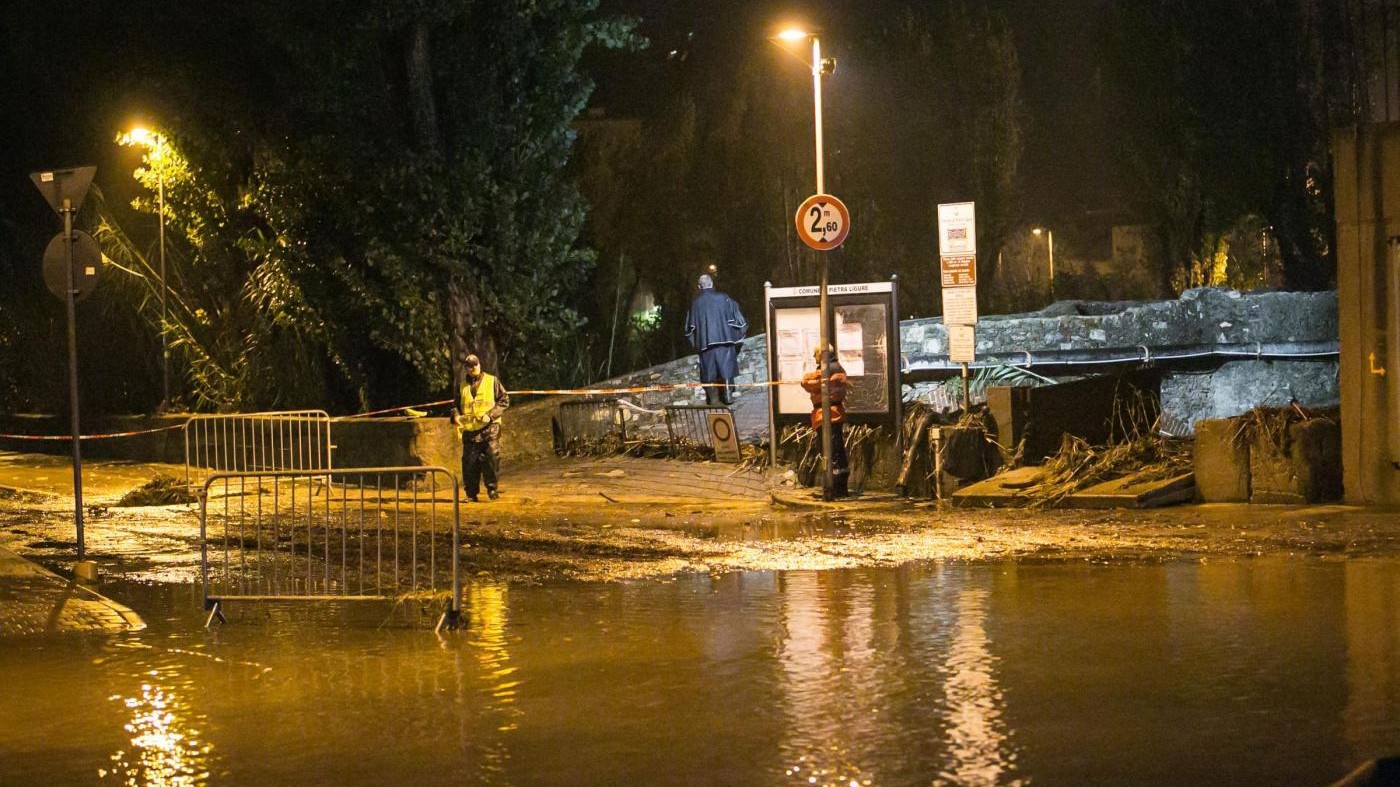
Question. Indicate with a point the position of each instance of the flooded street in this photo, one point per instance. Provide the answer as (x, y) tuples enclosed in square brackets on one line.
[(1265, 670)]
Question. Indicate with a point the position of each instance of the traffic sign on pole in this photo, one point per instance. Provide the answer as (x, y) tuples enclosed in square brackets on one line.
[(957, 229), (958, 270), (823, 222), (70, 184), (959, 305), (86, 263), (64, 190), (962, 343)]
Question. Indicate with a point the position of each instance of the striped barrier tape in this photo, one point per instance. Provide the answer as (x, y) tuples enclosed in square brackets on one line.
[(419, 410), (89, 436), (648, 388)]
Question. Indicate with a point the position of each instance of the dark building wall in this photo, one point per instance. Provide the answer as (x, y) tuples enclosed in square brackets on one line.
[(1367, 167)]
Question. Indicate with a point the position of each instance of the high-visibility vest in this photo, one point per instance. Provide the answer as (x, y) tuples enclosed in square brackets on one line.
[(475, 407)]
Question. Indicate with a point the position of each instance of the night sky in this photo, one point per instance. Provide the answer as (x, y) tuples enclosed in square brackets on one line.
[(1068, 165)]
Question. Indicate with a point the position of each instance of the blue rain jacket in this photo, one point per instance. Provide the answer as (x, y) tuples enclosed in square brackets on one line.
[(715, 327)]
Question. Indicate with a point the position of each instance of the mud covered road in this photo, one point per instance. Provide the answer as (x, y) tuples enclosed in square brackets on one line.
[(539, 535)]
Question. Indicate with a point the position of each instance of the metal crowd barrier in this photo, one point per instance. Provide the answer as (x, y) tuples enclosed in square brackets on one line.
[(247, 442), (687, 427), (587, 422), (354, 534)]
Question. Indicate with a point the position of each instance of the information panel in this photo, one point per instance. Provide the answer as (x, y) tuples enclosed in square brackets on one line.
[(864, 330)]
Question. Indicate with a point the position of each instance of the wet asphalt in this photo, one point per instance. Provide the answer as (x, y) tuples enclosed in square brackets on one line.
[(610, 519)]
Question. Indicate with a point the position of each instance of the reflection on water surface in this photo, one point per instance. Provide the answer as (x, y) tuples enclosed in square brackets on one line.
[(164, 751), (1267, 671)]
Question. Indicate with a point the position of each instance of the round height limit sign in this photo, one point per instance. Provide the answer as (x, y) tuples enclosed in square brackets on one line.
[(823, 222)]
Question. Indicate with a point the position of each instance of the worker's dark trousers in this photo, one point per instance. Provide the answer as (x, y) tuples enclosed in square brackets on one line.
[(481, 459), (840, 463)]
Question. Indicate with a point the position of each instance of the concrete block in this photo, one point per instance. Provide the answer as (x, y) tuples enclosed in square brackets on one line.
[(1135, 492), (964, 453), (1222, 462), (396, 442), (1306, 469), (1039, 418)]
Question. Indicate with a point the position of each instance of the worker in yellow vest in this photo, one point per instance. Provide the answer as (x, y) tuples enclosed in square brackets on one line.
[(482, 400)]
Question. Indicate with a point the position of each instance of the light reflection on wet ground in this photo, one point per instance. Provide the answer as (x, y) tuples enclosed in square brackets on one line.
[(610, 543), (1246, 672)]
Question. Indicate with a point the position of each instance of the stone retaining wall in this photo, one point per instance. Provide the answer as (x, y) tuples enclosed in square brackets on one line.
[(1205, 316), (1199, 317)]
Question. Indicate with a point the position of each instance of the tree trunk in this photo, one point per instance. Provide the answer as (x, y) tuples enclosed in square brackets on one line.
[(465, 335), (422, 107)]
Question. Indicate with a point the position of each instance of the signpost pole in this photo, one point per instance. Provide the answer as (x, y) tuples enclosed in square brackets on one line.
[(68, 210), (823, 330), (897, 368), (957, 263), (967, 389), (64, 190), (830, 222), (773, 375)]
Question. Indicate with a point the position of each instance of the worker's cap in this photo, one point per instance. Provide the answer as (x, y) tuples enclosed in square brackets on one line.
[(705, 281), (472, 360)]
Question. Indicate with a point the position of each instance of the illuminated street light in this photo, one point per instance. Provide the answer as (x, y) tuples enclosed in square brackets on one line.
[(819, 69), (156, 144), (1050, 247)]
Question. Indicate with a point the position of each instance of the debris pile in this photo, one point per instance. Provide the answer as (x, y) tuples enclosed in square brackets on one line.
[(1139, 447), (163, 490)]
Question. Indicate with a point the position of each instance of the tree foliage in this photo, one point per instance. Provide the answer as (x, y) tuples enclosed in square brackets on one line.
[(924, 107), (354, 189), (1225, 111)]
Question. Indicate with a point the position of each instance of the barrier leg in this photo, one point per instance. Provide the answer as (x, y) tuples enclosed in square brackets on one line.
[(451, 620), (215, 611)]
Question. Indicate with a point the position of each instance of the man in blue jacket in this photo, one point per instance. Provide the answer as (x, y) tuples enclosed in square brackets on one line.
[(715, 327)]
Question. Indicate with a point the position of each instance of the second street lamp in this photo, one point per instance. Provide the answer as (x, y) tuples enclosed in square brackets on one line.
[(155, 143), (1050, 250)]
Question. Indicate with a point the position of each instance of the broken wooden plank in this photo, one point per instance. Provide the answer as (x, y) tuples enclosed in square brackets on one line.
[(1129, 492)]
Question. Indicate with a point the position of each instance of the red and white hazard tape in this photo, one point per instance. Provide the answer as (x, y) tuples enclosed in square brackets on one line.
[(89, 436), (573, 392), (440, 403)]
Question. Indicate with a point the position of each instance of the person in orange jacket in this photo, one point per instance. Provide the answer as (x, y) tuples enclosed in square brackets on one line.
[(836, 392)]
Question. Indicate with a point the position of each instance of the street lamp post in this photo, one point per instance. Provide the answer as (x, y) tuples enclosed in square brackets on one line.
[(156, 144), (1050, 249), (823, 339)]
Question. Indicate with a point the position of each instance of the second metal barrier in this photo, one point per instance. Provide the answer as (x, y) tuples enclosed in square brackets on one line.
[(357, 533), (244, 442)]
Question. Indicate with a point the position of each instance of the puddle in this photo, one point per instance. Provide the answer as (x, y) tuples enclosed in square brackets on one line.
[(1227, 672)]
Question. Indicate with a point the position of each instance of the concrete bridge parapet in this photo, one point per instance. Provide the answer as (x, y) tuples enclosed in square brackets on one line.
[(1284, 349), (1204, 316)]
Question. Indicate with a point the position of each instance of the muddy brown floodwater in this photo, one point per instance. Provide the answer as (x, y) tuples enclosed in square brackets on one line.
[(744, 644), (534, 541)]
